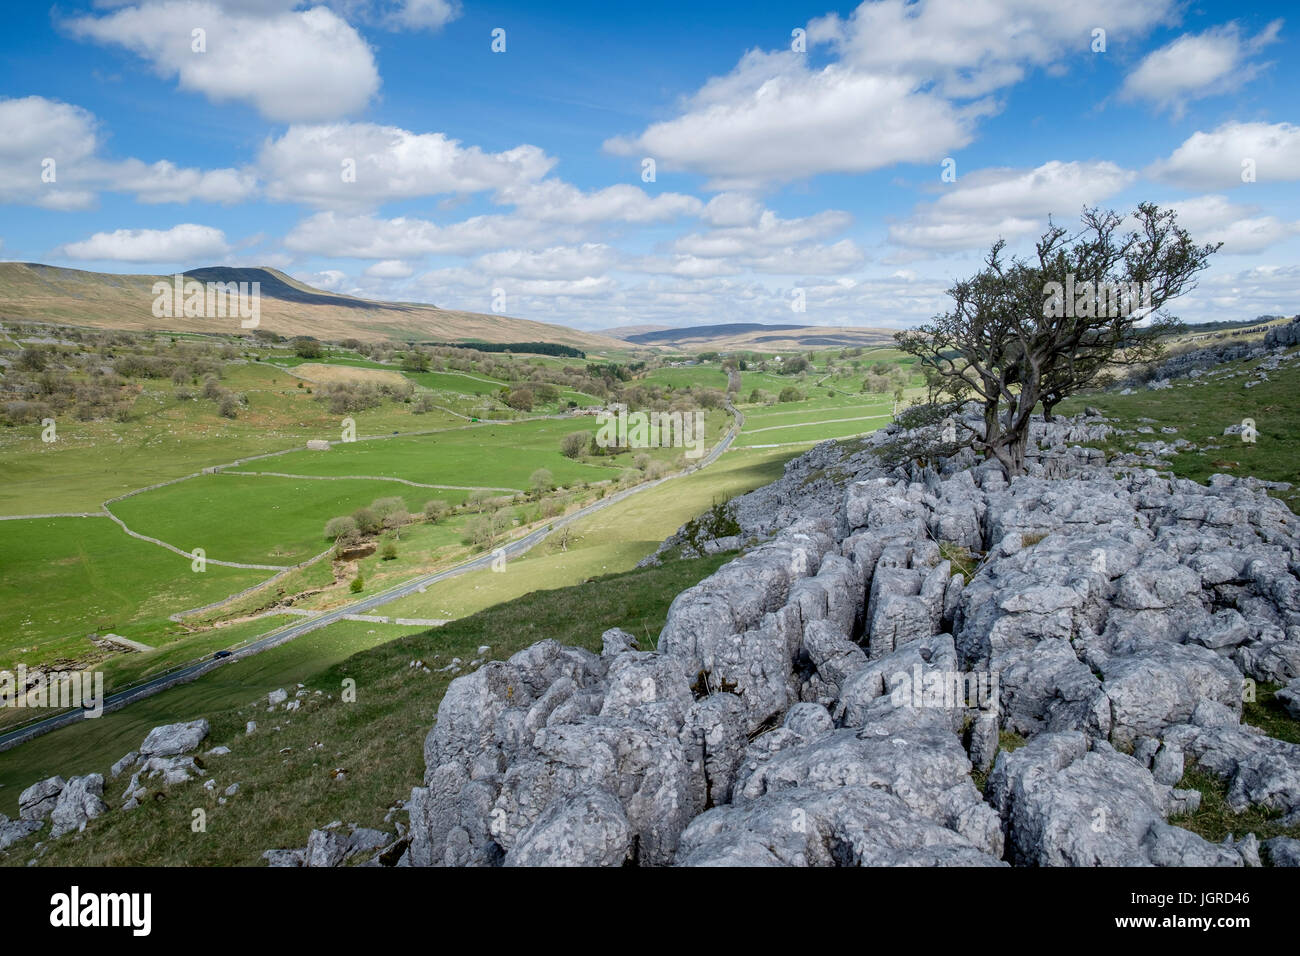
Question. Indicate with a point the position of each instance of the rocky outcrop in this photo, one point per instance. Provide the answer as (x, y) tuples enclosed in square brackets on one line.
[(174, 739), (831, 695)]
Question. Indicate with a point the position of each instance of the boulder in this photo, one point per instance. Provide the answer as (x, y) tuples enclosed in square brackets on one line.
[(171, 740), (588, 829), (38, 800), (80, 800)]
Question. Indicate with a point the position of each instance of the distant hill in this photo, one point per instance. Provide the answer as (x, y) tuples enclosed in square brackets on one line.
[(624, 331), (759, 337), (40, 293)]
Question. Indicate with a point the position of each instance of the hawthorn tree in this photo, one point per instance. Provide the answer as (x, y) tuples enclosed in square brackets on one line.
[(1025, 331)]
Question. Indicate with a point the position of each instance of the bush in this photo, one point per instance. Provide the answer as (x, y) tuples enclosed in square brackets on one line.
[(338, 527), (383, 507), (228, 407), (367, 521), (357, 584), (435, 510), (389, 552), (572, 444), (520, 399), (790, 394)]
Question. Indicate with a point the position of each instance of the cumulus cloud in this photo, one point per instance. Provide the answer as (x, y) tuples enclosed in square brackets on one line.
[(1240, 228), (774, 120), (909, 83), (186, 242), (51, 157), (558, 262), (421, 14), (390, 269), (45, 138), (557, 201), (1008, 203), (969, 49), (373, 237), (346, 165), (290, 65), (1197, 65), (1216, 160), (769, 231), (164, 181)]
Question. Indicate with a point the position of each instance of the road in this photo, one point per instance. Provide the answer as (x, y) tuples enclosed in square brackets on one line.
[(281, 635)]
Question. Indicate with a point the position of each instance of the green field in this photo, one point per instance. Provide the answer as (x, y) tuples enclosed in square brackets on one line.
[(1201, 409), (259, 519), (64, 578), (166, 438), (487, 455), (285, 768)]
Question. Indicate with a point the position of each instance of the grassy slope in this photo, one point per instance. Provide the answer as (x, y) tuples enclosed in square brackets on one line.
[(259, 519), (286, 787), (1201, 412), (62, 578), (94, 461), (610, 540)]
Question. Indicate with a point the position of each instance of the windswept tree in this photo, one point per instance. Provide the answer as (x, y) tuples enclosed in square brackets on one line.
[(1025, 331)]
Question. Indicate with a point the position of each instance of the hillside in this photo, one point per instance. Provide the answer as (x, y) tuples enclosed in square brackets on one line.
[(40, 293), (752, 335)]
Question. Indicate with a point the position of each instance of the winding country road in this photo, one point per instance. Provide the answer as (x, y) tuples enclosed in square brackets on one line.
[(281, 635)]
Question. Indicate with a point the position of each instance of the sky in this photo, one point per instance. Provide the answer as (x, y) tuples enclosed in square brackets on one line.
[(600, 165)]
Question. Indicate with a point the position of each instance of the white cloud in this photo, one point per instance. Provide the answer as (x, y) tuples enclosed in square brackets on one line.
[(557, 201), (1197, 65), (384, 163), (163, 181), (185, 243), (559, 262), (390, 269), (769, 232), (989, 203), (422, 14), (891, 95), (330, 280), (972, 47), (289, 65), (1214, 160), (773, 120), (371, 237), (37, 131), (1239, 228), (46, 138), (1261, 290)]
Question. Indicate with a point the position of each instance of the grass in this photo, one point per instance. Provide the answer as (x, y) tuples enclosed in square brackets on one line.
[(611, 540), (285, 768), (259, 519), (1215, 820), (168, 438), (62, 578), (458, 456), (1201, 409)]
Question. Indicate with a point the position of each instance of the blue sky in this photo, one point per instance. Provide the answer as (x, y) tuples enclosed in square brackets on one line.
[(131, 143)]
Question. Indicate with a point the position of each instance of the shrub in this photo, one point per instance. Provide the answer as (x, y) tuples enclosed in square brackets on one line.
[(572, 444), (336, 528), (366, 520), (357, 584)]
